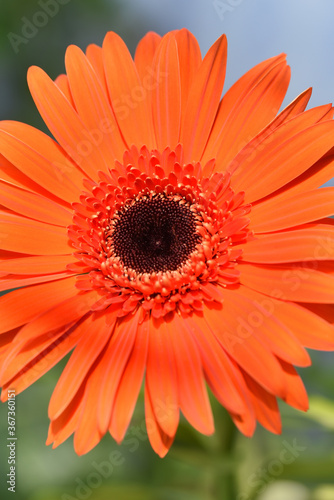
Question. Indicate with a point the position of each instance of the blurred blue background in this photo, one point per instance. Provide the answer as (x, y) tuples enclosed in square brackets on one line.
[(195, 469)]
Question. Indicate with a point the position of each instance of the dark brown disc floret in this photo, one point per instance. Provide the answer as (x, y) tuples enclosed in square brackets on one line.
[(154, 234)]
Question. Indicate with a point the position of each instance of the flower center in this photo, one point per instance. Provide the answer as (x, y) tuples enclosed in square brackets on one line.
[(159, 234), (154, 233)]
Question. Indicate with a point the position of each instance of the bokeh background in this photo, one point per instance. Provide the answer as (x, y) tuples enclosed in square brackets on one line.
[(196, 468)]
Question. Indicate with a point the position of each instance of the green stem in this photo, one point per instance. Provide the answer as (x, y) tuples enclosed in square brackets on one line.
[(226, 481)]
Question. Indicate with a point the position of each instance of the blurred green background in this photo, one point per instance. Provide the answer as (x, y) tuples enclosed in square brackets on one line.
[(226, 465)]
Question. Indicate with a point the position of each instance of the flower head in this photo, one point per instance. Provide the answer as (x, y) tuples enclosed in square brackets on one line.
[(165, 235)]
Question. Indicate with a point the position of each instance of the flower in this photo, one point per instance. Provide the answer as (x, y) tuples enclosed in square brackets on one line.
[(168, 235)]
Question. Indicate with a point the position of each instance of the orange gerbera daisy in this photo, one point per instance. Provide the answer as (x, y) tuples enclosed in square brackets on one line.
[(169, 235)]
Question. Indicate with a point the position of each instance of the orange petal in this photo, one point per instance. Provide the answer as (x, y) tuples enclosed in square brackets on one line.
[(317, 175), (22, 354), (160, 441), (320, 173), (250, 114), (95, 57), (293, 121), (296, 394), (33, 205), (219, 371), (16, 281), (292, 211), (129, 97), (324, 311), (308, 327), (33, 301), (6, 340), (233, 99), (129, 385), (113, 365), (190, 58), (11, 174), (161, 377), (61, 428), (283, 158), (297, 106), (70, 310), (80, 143), (314, 177), (246, 420), (265, 406), (94, 336), (305, 244), (41, 264), (62, 83), (43, 362), (166, 96), (193, 397), (238, 340), (92, 106), (259, 320), (32, 237), (203, 100), (296, 282), (246, 423), (40, 159), (144, 55), (87, 434)]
